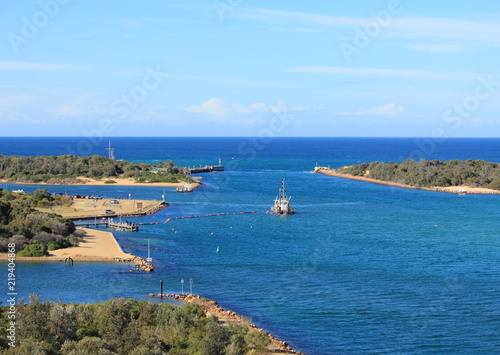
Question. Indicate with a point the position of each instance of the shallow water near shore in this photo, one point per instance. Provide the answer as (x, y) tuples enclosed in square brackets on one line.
[(360, 267)]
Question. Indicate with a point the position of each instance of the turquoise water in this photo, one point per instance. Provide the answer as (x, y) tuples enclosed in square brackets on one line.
[(361, 268)]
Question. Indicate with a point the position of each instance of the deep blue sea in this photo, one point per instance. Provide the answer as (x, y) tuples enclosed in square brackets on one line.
[(361, 268)]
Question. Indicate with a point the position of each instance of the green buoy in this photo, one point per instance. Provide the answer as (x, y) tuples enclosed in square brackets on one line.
[(218, 250)]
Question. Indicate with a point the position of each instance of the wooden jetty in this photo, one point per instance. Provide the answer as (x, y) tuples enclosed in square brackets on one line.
[(110, 223)]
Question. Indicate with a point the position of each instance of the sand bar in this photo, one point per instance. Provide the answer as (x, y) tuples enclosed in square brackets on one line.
[(96, 246), (450, 189), (102, 182)]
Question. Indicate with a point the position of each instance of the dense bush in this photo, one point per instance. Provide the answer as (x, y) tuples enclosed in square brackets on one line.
[(65, 169), (124, 326), (474, 173), (32, 231)]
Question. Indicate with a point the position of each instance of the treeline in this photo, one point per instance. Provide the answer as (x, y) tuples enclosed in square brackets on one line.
[(429, 173), (66, 169), (124, 326), (33, 232)]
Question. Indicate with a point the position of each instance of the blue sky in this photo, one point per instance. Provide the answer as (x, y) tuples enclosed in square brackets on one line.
[(397, 68)]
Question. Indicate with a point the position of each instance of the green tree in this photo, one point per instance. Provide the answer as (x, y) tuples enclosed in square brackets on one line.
[(216, 340), (257, 340), (91, 345), (41, 194), (33, 320)]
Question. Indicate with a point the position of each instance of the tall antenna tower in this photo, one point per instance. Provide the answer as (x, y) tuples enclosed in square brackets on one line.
[(111, 152)]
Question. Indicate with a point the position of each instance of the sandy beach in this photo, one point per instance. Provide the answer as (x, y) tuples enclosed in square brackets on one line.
[(450, 189), (127, 182), (96, 246)]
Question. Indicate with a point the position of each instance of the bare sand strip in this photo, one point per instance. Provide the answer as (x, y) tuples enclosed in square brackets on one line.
[(227, 317), (117, 182), (450, 189), (82, 208), (132, 182), (96, 246), (102, 182), (126, 182)]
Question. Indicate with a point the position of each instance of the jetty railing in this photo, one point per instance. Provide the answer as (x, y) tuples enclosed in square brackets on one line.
[(120, 226)]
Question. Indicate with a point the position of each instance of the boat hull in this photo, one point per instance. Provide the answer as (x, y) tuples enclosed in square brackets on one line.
[(282, 213)]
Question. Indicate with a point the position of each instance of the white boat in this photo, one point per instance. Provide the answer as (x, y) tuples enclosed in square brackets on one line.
[(282, 202), (19, 191)]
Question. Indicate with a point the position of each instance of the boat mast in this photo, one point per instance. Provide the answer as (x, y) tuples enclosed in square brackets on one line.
[(282, 193), (283, 189)]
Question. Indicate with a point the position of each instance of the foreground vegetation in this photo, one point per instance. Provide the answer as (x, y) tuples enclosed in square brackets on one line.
[(33, 232), (124, 326), (430, 173), (66, 169)]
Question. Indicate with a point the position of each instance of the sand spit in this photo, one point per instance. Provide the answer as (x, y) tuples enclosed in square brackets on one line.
[(451, 189), (82, 180), (98, 246)]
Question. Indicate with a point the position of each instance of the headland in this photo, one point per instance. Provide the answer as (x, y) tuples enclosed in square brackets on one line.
[(449, 189), (228, 317)]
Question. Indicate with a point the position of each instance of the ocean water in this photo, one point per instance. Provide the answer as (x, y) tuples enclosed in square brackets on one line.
[(361, 268)]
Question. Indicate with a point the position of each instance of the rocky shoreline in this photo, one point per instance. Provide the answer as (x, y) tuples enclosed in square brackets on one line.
[(224, 316)]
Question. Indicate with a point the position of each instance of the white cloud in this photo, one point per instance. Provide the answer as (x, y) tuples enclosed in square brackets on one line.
[(384, 73), (306, 108), (218, 107), (68, 110), (307, 30), (81, 105), (295, 16), (476, 31), (401, 27), (438, 48), (35, 66), (134, 22), (13, 100), (390, 109)]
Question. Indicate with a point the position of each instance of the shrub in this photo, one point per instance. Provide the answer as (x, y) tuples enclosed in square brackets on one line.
[(126, 326), (34, 249), (495, 184), (52, 245)]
